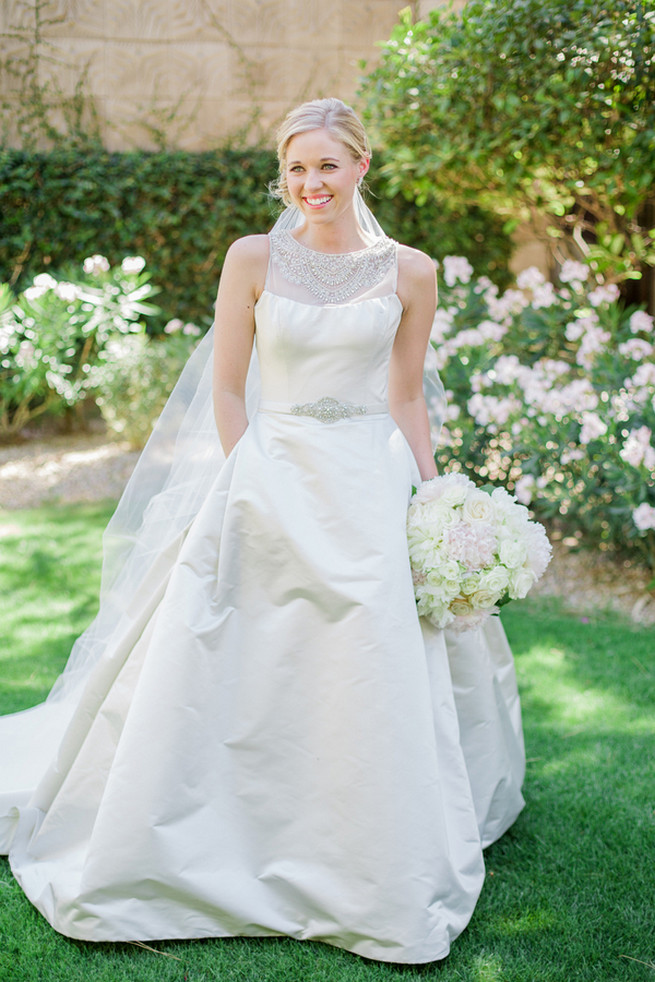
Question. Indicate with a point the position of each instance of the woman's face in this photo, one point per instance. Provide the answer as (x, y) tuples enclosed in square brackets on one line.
[(321, 175)]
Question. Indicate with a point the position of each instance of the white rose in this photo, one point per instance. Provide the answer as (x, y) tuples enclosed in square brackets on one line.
[(520, 582), (512, 553), (470, 584), (477, 507), (460, 607), (484, 599), (495, 580)]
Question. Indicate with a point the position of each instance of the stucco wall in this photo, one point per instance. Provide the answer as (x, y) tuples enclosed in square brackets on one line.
[(200, 69)]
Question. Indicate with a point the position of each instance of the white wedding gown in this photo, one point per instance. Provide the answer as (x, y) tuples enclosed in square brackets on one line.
[(272, 747)]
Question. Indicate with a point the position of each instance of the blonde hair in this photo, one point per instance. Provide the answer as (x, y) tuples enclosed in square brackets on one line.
[(332, 115)]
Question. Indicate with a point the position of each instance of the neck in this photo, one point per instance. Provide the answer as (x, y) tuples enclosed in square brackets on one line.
[(344, 235)]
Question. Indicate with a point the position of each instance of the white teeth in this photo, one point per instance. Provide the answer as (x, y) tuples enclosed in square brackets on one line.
[(318, 201)]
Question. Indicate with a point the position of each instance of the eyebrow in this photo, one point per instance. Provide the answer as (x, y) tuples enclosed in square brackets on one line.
[(323, 160)]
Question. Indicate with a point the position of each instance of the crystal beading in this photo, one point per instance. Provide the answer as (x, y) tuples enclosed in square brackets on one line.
[(331, 277), (328, 410)]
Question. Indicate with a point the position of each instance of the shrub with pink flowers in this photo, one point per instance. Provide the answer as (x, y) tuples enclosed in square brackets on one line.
[(552, 393)]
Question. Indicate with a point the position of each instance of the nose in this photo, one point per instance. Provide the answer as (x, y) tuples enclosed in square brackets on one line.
[(313, 180)]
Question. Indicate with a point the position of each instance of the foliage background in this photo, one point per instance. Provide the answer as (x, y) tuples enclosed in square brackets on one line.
[(540, 111), (181, 211)]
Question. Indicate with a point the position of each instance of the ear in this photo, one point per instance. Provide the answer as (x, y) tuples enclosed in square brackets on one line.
[(364, 165)]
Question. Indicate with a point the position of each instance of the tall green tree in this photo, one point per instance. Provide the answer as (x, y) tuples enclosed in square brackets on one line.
[(542, 110)]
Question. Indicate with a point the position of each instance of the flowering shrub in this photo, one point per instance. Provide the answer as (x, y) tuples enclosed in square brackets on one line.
[(136, 374), (552, 392), (52, 333)]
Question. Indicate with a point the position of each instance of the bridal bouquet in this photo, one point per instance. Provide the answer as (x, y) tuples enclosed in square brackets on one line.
[(471, 550)]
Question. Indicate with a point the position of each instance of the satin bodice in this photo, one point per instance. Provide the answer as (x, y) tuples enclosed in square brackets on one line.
[(307, 351)]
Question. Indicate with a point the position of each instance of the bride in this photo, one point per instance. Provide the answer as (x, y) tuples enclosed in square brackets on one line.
[(258, 736)]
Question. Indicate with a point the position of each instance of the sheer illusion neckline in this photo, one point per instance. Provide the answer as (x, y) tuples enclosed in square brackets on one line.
[(330, 277), (353, 252)]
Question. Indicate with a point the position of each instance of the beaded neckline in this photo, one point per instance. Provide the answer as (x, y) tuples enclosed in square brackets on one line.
[(328, 276)]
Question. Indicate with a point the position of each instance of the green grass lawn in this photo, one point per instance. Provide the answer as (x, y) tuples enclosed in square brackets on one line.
[(570, 890)]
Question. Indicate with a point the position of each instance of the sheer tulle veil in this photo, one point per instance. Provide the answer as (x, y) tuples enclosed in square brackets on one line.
[(165, 492)]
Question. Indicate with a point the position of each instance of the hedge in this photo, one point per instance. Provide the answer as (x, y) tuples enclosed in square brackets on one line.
[(180, 211)]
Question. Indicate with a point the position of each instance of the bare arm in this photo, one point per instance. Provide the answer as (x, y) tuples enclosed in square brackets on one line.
[(417, 289), (242, 281)]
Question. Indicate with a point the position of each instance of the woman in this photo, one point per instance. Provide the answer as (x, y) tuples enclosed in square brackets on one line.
[(265, 740)]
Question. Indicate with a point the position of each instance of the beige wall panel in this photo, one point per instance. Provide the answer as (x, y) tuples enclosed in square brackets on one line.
[(271, 114), (369, 21), (257, 21), (165, 20), (313, 22), (195, 126), (14, 52), (66, 60), (76, 18), (423, 6), (288, 74), (14, 14), (164, 71), (227, 58), (207, 121)]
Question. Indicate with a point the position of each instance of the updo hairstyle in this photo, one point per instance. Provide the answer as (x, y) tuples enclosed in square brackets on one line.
[(332, 115)]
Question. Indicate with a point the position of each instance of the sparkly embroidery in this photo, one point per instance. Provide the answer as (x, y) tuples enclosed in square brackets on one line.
[(332, 277), (328, 410)]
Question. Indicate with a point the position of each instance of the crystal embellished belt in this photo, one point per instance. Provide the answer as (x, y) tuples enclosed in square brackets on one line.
[(327, 409)]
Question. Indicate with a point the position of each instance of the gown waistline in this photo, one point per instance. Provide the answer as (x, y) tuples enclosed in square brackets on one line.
[(326, 410)]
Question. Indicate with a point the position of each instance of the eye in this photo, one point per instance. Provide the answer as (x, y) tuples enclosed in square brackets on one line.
[(330, 166), (295, 169)]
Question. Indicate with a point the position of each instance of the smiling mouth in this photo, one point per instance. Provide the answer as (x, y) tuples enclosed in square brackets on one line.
[(318, 201)]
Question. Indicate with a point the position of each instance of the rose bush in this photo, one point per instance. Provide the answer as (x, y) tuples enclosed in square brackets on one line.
[(552, 392)]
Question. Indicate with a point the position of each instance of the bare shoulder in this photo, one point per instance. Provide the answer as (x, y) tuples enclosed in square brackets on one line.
[(416, 273), (245, 264), (250, 248)]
